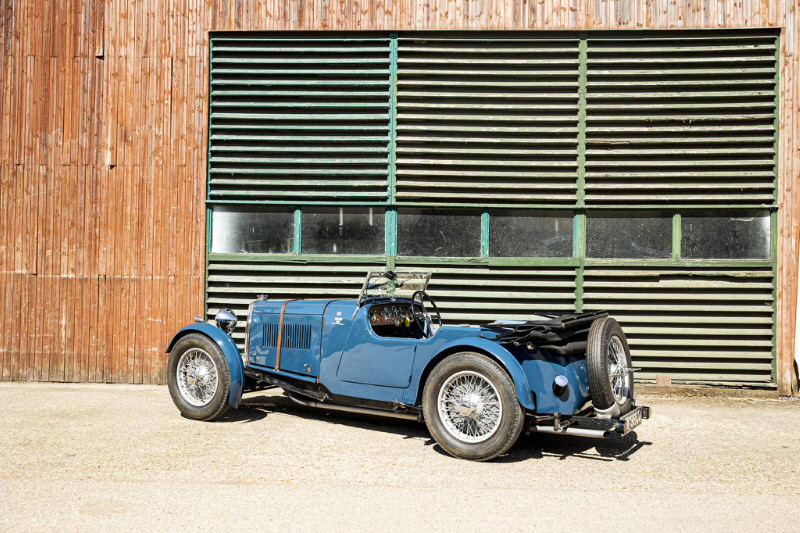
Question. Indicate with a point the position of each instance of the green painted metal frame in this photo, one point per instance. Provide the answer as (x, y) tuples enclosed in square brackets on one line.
[(578, 262), (774, 214), (578, 209)]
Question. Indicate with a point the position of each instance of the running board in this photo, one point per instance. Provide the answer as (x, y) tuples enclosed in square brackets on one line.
[(308, 402)]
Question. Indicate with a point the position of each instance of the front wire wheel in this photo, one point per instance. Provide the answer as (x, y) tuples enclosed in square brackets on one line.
[(198, 377), (471, 408)]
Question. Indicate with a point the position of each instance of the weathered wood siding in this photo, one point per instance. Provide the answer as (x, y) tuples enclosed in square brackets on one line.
[(102, 157)]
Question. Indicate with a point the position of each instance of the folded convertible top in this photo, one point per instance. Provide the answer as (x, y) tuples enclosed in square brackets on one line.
[(560, 333)]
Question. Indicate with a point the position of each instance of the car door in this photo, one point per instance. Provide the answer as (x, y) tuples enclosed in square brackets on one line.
[(372, 360)]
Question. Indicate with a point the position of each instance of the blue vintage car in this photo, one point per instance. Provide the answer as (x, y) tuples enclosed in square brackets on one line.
[(387, 353)]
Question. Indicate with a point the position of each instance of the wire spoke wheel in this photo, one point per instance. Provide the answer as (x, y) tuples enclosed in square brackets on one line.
[(618, 371), (608, 368), (470, 407), (198, 378)]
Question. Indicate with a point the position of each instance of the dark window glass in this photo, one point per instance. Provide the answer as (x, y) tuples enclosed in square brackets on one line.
[(438, 233), (725, 237), (513, 234), (251, 230), (343, 230), (635, 236)]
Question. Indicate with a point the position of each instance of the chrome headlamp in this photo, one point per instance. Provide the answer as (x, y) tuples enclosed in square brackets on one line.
[(226, 320)]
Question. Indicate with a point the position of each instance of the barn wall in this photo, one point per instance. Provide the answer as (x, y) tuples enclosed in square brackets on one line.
[(102, 157)]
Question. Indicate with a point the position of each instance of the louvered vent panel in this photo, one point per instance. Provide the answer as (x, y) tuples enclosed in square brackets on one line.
[(694, 325), (270, 334), (296, 336), (235, 284), (481, 294), (299, 118), (680, 118), (489, 119)]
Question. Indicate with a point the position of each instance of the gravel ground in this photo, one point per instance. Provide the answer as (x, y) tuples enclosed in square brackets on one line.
[(120, 457)]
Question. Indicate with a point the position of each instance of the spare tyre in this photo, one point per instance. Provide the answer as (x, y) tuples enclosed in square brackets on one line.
[(608, 366)]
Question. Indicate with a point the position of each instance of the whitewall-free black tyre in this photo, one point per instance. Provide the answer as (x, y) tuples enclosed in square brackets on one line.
[(608, 367), (198, 378), (471, 408)]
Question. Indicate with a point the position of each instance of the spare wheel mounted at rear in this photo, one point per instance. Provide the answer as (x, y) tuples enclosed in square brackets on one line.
[(608, 367)]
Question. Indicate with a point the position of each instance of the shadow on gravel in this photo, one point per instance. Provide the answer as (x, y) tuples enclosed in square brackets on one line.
[(539, 445), (258, 406)]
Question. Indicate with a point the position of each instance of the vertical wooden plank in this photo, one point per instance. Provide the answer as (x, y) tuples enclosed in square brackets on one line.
[(112, 312), (5, 226), (69, 134), (10, 289), (94, 359), (103, 334), (19, 214), (57, 360), (104, 233), (26, 296), (13, 293), (6, 124), (122, 112), (43, 327), (5, 332), (28, 218)]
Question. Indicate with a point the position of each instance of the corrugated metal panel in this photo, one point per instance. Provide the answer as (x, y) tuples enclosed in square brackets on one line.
[(489, 119), (236, 283), (681, 118), (692, 324), (295, 117), (479, 294)]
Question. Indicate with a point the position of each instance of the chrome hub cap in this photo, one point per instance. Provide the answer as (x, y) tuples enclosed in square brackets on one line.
[(469, 407), (197, 377), (618, 371)]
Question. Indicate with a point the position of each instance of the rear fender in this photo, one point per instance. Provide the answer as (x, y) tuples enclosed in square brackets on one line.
[(501, 355), (229, 350)]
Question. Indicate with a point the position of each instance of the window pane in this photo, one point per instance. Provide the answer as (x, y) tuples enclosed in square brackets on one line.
[(344, 230), (725, 237), (512, 234), (634, 236), (438, 233), (251, 230)]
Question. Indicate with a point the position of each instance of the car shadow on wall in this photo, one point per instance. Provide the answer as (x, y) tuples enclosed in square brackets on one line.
[(259, 405)]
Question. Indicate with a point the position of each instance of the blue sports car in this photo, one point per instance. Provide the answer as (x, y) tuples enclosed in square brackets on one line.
[(387, 353)]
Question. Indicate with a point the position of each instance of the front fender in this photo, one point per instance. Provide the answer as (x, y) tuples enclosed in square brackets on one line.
[(229, 349), (503, 356)]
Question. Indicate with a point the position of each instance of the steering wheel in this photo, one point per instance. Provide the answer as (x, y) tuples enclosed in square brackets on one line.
[(425, 325)]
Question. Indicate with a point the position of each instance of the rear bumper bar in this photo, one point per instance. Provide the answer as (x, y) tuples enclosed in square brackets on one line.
[(589, 425)]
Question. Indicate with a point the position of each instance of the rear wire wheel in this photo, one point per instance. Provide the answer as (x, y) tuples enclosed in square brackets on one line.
[(608, 366), (470, 407)]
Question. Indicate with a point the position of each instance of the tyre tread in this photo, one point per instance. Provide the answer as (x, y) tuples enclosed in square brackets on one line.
[(596, 362), (221, 405), (446, 367)]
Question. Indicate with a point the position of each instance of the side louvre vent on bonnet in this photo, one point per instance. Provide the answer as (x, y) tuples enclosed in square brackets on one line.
[(270, 335), (296, 336)]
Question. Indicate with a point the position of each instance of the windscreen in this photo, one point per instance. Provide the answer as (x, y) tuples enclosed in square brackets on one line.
[(391, 284)]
